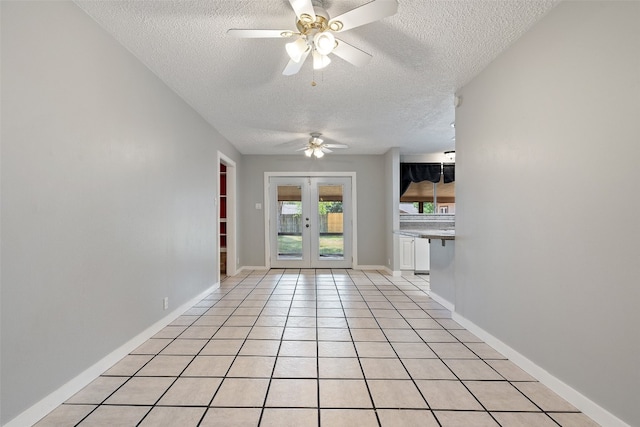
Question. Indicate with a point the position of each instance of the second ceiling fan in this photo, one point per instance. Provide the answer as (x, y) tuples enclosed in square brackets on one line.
[(315, 34)]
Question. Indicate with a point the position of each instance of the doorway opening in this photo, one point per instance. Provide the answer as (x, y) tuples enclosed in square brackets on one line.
[(226, 217), (310, 222)]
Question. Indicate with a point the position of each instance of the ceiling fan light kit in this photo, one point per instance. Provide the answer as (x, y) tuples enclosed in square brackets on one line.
[(316, 147), (315, 33)]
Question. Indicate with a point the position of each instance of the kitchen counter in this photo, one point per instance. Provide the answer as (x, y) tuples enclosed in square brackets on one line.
[(427, 233)]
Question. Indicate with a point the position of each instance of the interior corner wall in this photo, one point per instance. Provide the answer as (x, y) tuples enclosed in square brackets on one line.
[(547, 223), (370, 200), (108, 186)]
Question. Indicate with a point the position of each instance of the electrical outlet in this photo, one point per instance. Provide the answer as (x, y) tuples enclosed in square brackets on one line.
[(165, 303)]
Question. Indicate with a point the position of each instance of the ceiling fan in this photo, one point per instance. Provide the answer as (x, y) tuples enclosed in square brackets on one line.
[(316, 29), (317, 147)]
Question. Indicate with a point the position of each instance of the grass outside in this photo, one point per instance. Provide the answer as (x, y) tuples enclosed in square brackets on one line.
[(329, 245)]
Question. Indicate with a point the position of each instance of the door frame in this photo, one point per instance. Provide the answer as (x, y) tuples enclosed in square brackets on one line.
[(267, 208), (231, 215)]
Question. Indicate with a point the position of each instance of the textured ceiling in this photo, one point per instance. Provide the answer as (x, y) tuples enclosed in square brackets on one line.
[(403, 98)]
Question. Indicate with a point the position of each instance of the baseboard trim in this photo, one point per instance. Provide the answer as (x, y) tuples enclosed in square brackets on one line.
[(251, 267), (38, 411), (571, 395), (443, 302)]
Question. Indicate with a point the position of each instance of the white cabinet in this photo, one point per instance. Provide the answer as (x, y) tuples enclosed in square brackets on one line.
[(407, 253), (422, 255)]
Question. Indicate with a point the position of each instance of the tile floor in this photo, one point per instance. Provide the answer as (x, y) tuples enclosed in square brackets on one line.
[(316, 348)]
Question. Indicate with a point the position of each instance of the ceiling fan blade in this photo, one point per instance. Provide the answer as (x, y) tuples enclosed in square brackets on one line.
[(365, 14), (336, 145), (302, 148), (293, 67), (303, 7), (326, 150), (351, 53), (260, 34)]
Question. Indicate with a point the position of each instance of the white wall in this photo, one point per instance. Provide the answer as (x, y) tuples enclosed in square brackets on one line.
[(392, 203), (370, 181), (108, 182), (547, 230)]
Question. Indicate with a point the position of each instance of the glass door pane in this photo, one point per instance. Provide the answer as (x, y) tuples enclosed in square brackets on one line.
[(289, 222), (330, 222)]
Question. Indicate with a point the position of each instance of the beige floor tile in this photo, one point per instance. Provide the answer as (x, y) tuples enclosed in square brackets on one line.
[(191, 392), (140, 391), (375, 349), (300, 334), (362, 323), (260, 348), (199, 332), (252, 367), (184, 347), (448, 395), (231, 417), (465, 419), (348, 418), (293, 393), (499, 396), (173, 416), (428, 369), (524, 419), (383, 369), (271, 321), (340, 368), (544, 397), (392, 323), (574, 420), (301, 322), (65, 415), (424, 323), (210, 320), (484, 351), (510, 370), (449, 324), (333, 334), (222, 347), (413, 350), (332, 322), (129, 365), (115, 416), (336, 349), (277, 417), (436, 335), (452, 351), (98, 390), (330, 312), (402, 335), (406, 418), (164, 366), (344, 394), (237, 320), (152, 346), (465, 336), (170, 332), (208, 366), (296, 367), (245, 392), (396, 394), (266, 333), (472, 369), (232, 332), (298, 348), (368, 335)]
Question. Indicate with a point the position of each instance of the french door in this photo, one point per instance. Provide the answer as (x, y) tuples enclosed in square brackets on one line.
[(310, 222)]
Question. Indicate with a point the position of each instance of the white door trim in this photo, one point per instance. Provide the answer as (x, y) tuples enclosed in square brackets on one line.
[(354, 208), (231, 215)]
